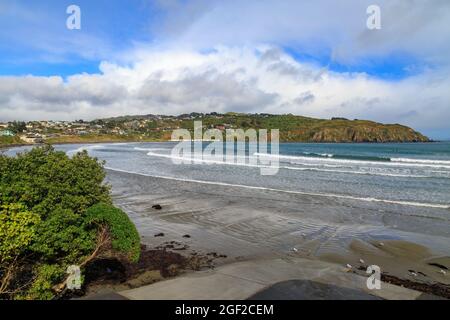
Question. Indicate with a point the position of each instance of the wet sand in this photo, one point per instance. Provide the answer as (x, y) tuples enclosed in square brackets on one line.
[(244, 224)]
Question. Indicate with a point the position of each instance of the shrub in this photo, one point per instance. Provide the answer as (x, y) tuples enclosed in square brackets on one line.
[(62, 236), (44, 179), (46, 276), (17, 230), (124, 236), (55, 212)]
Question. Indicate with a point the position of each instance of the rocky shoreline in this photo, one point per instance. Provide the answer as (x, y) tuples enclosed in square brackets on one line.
[(162, 262)]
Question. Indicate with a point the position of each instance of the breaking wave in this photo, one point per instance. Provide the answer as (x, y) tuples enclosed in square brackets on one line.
[(328, 195)]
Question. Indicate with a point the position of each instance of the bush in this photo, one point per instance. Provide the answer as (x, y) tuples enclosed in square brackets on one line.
[(55, 212), (46, 276), (124, 236), (17, 230), (44, 180), (62, 236)]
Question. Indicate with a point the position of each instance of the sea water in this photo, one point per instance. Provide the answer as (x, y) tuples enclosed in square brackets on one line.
[(412, 174)]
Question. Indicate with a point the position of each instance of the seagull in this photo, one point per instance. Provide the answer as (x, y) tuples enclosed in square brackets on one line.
[(349, 266), (443, 272), (295, 249), (361, 261)]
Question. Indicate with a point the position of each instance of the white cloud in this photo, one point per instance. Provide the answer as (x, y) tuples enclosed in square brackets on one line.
[(261, 79), (416, 27)]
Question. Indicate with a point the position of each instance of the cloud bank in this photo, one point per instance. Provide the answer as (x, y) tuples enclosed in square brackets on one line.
[(261, 79)]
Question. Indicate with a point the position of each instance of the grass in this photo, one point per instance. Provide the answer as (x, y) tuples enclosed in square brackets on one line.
[(104, 138), (10, 141)]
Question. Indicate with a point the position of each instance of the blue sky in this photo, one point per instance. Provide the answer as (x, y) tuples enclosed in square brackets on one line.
[(111, 25), (117, 25), (165, 50)]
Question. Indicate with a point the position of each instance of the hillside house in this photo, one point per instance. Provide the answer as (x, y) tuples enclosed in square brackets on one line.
[(6, 133)]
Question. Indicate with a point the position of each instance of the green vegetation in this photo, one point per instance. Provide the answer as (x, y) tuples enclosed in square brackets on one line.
[(148, 128), (10, 141), (17, 126), (124, 236), (105, 138), (55, 212), (292, 128), (302, 129), (17, 230)]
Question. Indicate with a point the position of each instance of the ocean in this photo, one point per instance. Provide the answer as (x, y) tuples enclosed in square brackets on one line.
[(410, 174)]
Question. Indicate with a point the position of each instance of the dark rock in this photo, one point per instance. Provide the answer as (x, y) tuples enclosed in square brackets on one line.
[(213, 254), (171, 271), (159, 235), (438, 265), (186, 236), (157, 207)]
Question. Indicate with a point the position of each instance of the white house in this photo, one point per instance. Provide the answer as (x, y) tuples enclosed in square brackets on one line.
[(6, 133)]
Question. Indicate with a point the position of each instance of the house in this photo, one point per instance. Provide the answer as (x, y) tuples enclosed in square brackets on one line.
[(220, 127), (7, 133), (32, 138)]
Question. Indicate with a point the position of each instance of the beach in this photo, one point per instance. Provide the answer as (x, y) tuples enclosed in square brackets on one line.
[(233, 215), (246, 225)]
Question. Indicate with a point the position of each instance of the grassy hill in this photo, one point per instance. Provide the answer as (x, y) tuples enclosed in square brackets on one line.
[(292, 128), (159, 128)]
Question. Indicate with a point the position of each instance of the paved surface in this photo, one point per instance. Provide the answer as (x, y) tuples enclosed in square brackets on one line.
[(247, 279), (310, 290)]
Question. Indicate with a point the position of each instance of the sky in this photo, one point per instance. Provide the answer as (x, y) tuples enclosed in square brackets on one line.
[(311, 58)]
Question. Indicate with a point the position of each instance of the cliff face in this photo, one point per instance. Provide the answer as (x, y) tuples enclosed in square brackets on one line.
[(380, 133), (351, 131)]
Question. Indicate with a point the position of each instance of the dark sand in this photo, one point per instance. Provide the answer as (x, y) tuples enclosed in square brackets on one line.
[(239, 224)]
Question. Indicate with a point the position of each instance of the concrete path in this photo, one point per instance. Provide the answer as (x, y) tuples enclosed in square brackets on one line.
[(243, 280)]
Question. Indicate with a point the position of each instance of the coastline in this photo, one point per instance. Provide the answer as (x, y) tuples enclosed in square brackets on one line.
[(9, 146)]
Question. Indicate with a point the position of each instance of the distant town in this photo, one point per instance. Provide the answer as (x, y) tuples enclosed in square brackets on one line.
[(143, 127)]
